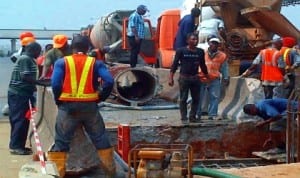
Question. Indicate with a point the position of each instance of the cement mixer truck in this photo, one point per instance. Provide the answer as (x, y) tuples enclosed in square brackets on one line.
[(157, 47), (249, 24)]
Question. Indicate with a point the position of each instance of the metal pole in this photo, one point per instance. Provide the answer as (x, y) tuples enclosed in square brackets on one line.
[(13, 47)]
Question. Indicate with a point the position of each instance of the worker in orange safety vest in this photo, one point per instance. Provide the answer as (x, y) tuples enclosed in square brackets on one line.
[(77, 92), (272, 69), (218, 73), (291, 60)]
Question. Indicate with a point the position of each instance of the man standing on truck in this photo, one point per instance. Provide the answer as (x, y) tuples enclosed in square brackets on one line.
[(211, 27), (136, 33), (76, 92), (185, 26), (190, 58)]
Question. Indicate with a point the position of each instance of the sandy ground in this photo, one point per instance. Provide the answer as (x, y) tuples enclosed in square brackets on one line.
[(9, 164)]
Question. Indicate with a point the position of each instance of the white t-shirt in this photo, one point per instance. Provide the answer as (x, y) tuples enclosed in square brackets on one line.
[(210, 26)]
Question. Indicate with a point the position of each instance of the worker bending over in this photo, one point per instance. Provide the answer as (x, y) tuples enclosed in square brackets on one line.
[(273, 112)]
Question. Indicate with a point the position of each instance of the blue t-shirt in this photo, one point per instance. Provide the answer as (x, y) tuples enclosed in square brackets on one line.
[(186, 26), (273, 107)]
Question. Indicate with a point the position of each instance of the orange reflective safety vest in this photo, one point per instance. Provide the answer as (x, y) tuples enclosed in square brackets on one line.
[(213, 66), (270, 70), (285, 52), (78, 81)]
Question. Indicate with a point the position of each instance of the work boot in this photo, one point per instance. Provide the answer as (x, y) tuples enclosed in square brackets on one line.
[(107, 161), (59, 158)]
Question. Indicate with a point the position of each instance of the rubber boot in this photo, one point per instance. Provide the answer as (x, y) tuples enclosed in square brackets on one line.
[(59, 158), (107, 161)]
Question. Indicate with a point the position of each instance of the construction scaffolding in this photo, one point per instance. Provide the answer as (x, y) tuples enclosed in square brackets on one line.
[(290, 2)]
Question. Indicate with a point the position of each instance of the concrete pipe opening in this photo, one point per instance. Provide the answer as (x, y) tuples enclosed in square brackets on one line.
[(135, 85)]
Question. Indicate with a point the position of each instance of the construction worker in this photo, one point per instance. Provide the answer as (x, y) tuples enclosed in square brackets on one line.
[(136, 33), (76, 92), (291, 60), (212, 26), (20, 92), (59, 50), (185, 26), (217, 66), (190, 58), (273, 112), (25, 38), (272, 69), (41, 60)]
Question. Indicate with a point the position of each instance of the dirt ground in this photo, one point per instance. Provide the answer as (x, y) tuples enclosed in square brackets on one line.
[(9, 164)]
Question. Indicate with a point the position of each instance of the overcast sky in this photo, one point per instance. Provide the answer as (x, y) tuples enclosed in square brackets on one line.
[(74, 14)]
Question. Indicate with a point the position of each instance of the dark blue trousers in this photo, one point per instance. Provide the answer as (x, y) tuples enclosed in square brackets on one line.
[(73, 114), (134, 50), (18, 106)]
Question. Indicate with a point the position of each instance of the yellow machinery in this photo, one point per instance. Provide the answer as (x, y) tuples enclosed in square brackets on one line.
[(161, 161)]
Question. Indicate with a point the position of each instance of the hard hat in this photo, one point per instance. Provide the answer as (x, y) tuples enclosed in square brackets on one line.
[(26, 40), (26, 34), (59, 41)]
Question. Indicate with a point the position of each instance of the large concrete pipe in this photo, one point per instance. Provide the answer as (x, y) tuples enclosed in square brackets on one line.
[(134, 85)]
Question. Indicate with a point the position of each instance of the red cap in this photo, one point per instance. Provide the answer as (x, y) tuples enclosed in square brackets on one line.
[(288, 41), (26, 34)]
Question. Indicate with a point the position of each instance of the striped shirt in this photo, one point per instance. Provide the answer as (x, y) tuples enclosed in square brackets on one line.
[(25, 65), (136, 21)]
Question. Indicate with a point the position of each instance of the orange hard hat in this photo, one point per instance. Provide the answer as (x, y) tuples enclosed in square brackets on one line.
[(26, 34), (26, 40), (59, 41)]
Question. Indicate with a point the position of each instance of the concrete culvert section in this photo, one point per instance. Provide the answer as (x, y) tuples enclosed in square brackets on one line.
[(135, 85)]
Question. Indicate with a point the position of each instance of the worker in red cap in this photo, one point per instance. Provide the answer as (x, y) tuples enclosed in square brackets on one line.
[(59, 50), (25, 39), (291, 60)]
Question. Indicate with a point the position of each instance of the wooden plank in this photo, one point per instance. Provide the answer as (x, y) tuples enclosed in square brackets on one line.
[(279, 158), (271, 21)]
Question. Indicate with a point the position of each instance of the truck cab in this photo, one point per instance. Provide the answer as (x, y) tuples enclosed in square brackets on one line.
[(167, 26), (157, 47)]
